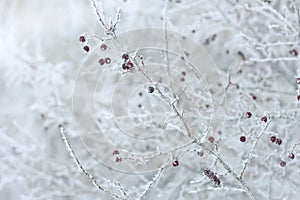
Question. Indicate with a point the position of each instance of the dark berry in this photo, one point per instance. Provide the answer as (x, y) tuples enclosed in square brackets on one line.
[(211, 139), (124, 66), (125, 56), (248, 114), (278, 141), (182, 79), (118, 159), (116, 152), (107, 60), (264, 119), (129, 64), (86, 48), (273, 139), (183, 73), (101, 61), (216, 180), (175, 163), (242, 138), (291, 156), (298, 97), (81, 38), (200, 153), (103, 47), (151, 89), (253, 97), (282, 163), (293, 52)]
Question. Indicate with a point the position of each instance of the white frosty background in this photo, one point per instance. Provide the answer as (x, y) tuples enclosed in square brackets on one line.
[(40, 55)]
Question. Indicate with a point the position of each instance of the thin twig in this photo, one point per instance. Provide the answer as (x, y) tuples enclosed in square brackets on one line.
[(85, 172)]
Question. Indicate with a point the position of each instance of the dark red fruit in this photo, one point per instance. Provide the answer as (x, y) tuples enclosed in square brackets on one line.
[(175, 163), (211, 139), (243, 139), (107, 60), (86, 48), (291, 156), (282, 163), (116, 152), (293, 52), (278, 141), (103, 47), (129, 64), (264, 119), (248, 114), (151, 89), (273, 139), (101, 61), (81, 38), (125, 56)]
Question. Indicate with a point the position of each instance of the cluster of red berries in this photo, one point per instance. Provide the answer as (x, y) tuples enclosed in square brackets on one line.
[(127, 64), (82, 40), (283, 163), (212, 176), (276, 140), (117, 154), (102, 61)]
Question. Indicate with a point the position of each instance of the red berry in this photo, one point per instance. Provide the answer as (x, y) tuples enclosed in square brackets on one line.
[(118, 159), (175, 163), (103, 47), (298, 97), (107, 60), (282, 163), (242, 138), (253, 96), (81, 38), (116, 152), (125, 56), (124, 66), (216, 180), (293, 52), (291, 156), (86, 48), (129, 64), (211, 139), (151, 89), (273, 139), (101, 61), (278, 141), (248, 114), (264, 119)]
